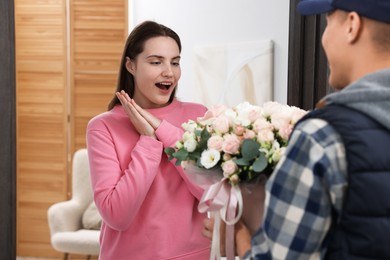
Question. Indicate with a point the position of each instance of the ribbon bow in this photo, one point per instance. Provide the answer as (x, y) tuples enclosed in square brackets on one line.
[(224, 201)]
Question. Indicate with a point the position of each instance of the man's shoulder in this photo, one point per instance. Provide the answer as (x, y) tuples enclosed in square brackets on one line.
[(318, 131)]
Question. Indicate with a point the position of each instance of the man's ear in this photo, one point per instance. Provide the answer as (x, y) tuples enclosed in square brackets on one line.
[(355, 23), (130, 65)]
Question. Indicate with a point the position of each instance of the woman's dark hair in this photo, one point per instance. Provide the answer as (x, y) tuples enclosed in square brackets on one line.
[(134, 46)]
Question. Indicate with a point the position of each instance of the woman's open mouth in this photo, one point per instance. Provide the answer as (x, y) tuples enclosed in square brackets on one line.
[(164, 85)]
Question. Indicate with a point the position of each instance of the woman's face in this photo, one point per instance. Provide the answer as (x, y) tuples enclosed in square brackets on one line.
[(156, 72)]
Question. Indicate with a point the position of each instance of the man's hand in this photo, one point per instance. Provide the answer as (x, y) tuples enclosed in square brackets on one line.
[(208, 227), (242, 236), (243, 239)]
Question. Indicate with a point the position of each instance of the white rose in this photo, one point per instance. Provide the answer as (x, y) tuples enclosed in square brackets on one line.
[(231, 115), (190, 144), (277, 154), (188, 135), (178, 145), (245, 113), (190, 126)]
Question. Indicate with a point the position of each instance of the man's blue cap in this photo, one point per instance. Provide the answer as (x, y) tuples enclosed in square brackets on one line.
[(375, 9)]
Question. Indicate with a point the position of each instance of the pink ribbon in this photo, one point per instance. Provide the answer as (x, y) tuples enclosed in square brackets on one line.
[(224, 201)]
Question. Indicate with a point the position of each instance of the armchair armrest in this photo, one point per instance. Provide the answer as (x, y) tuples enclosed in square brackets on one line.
[(65, 216)]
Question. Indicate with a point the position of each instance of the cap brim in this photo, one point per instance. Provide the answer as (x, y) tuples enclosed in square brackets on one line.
[(312, 7)]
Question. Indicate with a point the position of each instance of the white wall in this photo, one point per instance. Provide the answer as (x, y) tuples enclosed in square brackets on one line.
[(204, 22)]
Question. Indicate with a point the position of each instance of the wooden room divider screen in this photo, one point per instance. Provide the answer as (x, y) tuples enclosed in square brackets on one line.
[(67, 58)]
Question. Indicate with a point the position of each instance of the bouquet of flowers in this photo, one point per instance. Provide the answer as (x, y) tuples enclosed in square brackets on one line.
[(244, 141), (241, 144)]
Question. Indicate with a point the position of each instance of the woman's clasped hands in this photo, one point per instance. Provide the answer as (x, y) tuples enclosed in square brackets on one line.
[(144, 122)]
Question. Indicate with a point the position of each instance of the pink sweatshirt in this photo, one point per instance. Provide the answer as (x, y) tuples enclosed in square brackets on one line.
[(148, 206)]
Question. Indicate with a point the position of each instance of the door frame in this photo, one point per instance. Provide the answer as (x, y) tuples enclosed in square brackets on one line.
[(307, 65), (7, 132)]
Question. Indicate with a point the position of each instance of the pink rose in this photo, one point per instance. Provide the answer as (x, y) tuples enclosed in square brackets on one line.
[(239, 129), (262, 124), (271, 107), (297, 114), (226, 157), (280, 120), (215, 142), (221, 124), (254, 114), (211, 114), (229, 168), (285, 131), (265, 136), (249, 134), (231, 144)]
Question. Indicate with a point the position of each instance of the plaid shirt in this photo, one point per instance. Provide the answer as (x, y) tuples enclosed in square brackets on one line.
[(307, 183)]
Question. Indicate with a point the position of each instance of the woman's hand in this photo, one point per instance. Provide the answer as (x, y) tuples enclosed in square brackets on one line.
[(143, 121)]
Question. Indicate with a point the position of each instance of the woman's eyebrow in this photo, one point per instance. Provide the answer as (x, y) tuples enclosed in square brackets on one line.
[(161, 57)]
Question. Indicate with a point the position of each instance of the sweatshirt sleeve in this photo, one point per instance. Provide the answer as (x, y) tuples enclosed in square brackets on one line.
[(168, 134), (120, 191)]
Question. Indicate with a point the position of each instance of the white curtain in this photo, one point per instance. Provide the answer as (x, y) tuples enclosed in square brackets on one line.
[(232, 73)]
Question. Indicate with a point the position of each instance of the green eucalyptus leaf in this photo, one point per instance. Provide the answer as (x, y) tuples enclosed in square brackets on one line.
[(194, 156), (181, 154), (249, 149), (260, 163), (202, 144), (169, 151), (178, 162), (242, 162), (198, 132), (205, 134)]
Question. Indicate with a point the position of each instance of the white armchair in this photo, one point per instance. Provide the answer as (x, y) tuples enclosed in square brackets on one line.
[(68, 225)]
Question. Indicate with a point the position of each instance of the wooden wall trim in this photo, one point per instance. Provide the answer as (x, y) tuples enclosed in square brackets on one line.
[(7, 132), (307, 64)]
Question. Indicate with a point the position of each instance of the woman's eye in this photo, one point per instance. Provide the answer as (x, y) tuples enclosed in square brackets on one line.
[(155, 62), (176, 63)]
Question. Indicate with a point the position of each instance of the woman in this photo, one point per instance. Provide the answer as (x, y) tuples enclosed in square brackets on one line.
[(149, 209)]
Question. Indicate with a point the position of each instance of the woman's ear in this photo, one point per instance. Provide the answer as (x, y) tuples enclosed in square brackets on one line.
[(355, 24), (130, 65)]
